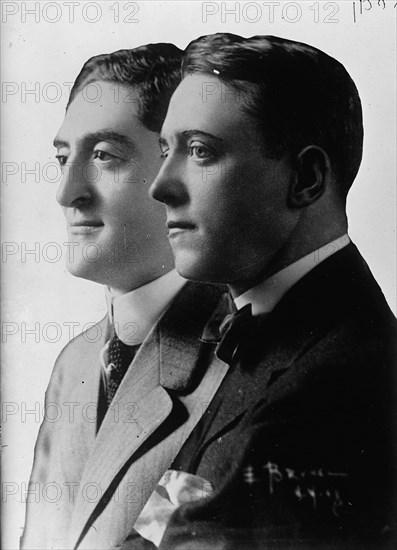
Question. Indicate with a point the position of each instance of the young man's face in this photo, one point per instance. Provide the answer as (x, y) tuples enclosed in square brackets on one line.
[(116, 232), (226, 202)]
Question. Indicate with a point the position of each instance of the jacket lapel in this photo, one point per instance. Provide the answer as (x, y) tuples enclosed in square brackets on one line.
[(306, 312), (166, 376), (139, 406), (182, 354), (85, 396)]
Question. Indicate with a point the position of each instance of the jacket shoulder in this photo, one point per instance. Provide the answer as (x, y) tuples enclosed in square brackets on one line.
[(82, 351)]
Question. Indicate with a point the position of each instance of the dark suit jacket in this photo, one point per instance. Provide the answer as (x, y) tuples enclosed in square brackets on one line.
[(298, 441), (90, 487)]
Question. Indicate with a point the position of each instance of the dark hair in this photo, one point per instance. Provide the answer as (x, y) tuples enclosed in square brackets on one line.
[(154, 70), (297, 94)]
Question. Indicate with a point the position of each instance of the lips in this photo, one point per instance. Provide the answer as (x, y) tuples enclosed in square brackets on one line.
[(178, 228), (180, 225), (86, 223), (84, 227)]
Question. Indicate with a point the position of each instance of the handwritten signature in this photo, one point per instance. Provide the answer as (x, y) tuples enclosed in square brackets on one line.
[(312, 486)]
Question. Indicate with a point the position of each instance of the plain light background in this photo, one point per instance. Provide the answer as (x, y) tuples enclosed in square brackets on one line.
[(42, 303)]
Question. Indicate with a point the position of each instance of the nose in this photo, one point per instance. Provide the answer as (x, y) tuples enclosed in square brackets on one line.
[(75, 187), (169, 187)]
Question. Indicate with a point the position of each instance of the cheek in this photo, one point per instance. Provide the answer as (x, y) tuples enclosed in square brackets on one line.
[(120, 183), (212, 197), (127, 194)]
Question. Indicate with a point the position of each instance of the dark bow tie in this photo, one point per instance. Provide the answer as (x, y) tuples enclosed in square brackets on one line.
[(235, 329)]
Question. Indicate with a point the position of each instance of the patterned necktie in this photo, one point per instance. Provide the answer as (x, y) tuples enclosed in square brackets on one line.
[(119, 359)]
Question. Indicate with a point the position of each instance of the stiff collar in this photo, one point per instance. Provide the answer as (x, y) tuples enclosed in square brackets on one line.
[(134, 314), (265, 296)]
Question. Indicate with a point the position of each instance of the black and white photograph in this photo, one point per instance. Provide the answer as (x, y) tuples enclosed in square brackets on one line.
[(198, 275)]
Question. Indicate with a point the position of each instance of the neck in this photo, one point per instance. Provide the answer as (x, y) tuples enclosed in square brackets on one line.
[(300, 244), (124, 287)]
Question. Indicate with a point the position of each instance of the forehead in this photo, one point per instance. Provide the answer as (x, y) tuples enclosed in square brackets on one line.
[(99, 106), (207, 103)]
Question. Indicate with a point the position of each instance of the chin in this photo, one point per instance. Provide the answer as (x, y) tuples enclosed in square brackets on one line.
[(84, 270), (195, 268)]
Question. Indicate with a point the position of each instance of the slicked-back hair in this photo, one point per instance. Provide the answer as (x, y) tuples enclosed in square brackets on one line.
[(154, 71), (296, 94)]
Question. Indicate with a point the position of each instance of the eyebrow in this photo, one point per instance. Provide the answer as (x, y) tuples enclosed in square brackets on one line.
[(105, 135), (191, 133)]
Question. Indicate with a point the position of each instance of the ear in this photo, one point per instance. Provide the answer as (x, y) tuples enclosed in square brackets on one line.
[(313, 169)]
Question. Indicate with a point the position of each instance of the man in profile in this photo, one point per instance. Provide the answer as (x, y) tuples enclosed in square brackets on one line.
[(262, 141), (132, 387)]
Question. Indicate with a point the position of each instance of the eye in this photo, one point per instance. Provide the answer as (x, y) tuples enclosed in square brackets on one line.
[(163, 151), (62, 159), (103, 155), (200, 151)]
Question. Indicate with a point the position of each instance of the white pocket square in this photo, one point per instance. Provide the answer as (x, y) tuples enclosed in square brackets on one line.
[(174, 489)]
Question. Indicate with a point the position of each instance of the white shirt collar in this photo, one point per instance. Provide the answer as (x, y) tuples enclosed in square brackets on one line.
[(135, 313), (264, 296)]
